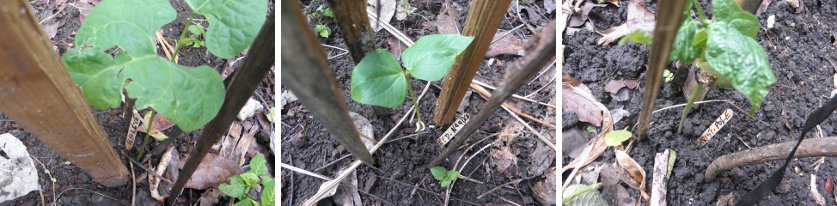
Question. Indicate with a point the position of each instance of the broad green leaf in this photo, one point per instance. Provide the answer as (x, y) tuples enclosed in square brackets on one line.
[(246, 202), (328, 13), (190, 97), (196, 29), (740, 60), (682, 49), (452, 175), (699, 41), (638, 36), (728, 11), (377, 80), (233, 24), (125, 24), (432, 56), (257, 165), (439, 172), (236, 188), (91, 70), (445, 183), (616, 137), (267, 198), (589, 197), (250, 179)]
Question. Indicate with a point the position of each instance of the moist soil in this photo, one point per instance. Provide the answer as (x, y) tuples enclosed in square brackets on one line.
[(72, 185), (402, 177), (802, 55)]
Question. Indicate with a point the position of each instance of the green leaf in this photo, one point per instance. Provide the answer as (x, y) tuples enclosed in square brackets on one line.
[(257, 165), (328, 13), (616, 137), (638, 36), (445, 183), (250, 179), (583, 195), (667, 75), (325, 32), (246, 202), (190, 97), (196, 29), (267, 198), (432, 56), (377, 80), (439, 172), (233, 25), (236, 188), (739, 59), (591, 129), (728, 11), (124, 24), (452, 175), (682, 48), (271, 114)]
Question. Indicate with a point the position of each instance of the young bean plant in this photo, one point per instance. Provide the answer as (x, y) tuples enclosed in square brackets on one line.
[(380, 80), (116, 49), (725, 47), (242, 186)]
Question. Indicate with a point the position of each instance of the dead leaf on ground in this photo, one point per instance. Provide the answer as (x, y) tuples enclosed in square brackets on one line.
[(578, 19), (159, 125), (508, 44), (387, 11), (545, 189), (503, 159), (574, 141), (396, 47), (213, 170), (347, 193), (52, 29), (84, 7), (209, 197), (578, 99), (634, 170), (639, 18), (404, 9), (447, 22), (613, 86), (540, 159)]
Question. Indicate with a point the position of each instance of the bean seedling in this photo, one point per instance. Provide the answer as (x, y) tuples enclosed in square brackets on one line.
[(116, 49), (319, 14), (242, 185), (379, 80), (444, 176)]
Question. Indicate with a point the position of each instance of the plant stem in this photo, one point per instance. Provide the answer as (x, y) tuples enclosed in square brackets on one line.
[(147, 133), (182, 36), (413, 97), (700, 10), (695, 94)]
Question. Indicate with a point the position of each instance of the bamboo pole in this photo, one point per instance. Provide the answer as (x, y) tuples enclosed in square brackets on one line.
[(37, 92), (483, 20), (354, 25), (306, 73)]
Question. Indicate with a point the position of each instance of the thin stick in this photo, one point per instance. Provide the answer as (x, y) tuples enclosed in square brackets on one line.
[(133, 184), (149, 171), (815, 147), (75, 188), (513, 95)]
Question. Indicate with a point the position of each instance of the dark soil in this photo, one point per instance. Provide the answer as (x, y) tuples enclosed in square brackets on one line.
[(75, 187), (306, 144), (802, 57)]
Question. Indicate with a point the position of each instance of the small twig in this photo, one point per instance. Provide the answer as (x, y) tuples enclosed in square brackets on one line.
[(334, 47), (815, 147), (75, 188), (499, 186), (51, 179), (506, 34), (133, 184), (148, 171), (513, 95)]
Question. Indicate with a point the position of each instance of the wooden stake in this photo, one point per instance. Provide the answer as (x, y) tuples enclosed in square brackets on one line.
[(306, 73), (354, 25), (483, 20), (37, 92), (241, 87)]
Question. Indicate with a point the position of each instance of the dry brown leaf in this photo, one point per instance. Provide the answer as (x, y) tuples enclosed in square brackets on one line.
[(387, 11), (209, 197), (578, 19), (447, 22), (503, 159), (639, 18), (160, 124), (545, 189), (213, 170), (580, 95), (613, 86), (84, 7), (508, 44), (577, 98), (634, 170)]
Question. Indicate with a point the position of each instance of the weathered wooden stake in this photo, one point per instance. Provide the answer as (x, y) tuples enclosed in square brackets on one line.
[(241, 87), (542, 50), (483, 20), (354, 25), (37, 91), (306, 73)]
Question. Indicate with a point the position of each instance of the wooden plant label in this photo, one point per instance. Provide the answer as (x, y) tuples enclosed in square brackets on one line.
[(715, 127), (132, 130), (453, 129)]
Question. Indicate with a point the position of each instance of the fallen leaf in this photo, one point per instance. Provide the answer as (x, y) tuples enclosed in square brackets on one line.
[(209, 197), (503, 159), (829, 186), (159, 125), (574, 141), (396, 47), (613, 86), (347, 193), (365, 130), (250, 108), (213, 170), (404, 9), (542, 158), (577, 98), (84, 7), (578, 19), (52, 29), (815, 193), (387, 10), (508, 44), (639, 18), (634, 170), (447, 22), (544, 190)]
